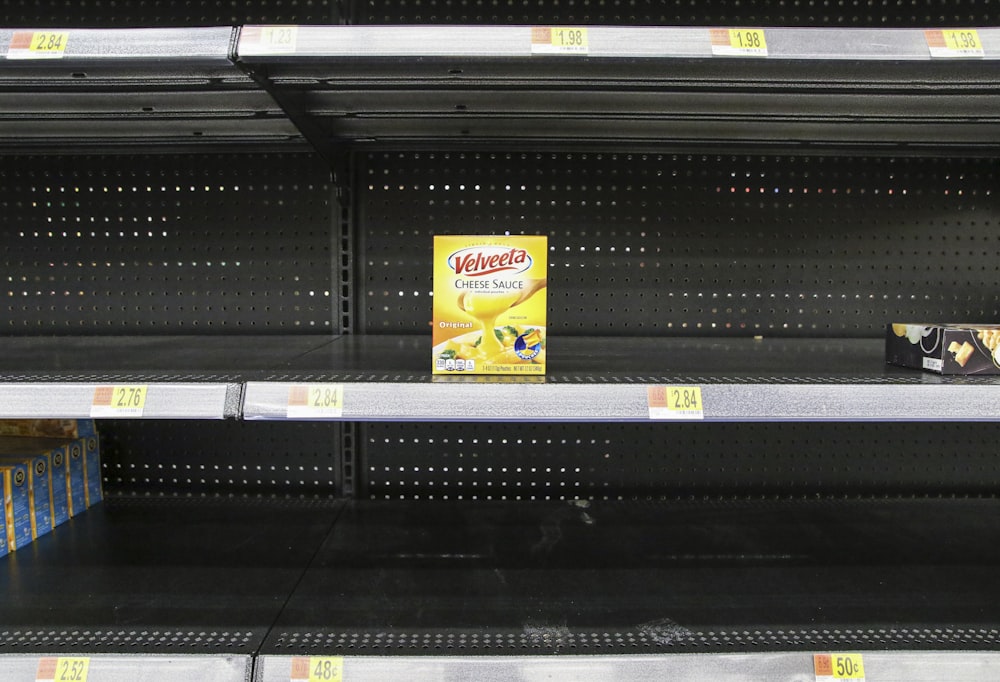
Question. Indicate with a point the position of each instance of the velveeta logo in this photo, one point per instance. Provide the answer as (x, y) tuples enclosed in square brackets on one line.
[(479, 261)]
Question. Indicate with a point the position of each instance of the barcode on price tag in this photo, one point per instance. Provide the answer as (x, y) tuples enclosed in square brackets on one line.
[(315, 401), (317, 669), (271, 39), (675, 402), (38, 45), (570, 40), (119, 402), (739, 42), (954, 43), (833, 667), (63, 670)]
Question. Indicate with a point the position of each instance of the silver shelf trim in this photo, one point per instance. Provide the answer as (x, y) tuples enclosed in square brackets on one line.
[(73, 400), (604, 41), (134, 668), (181, 44)]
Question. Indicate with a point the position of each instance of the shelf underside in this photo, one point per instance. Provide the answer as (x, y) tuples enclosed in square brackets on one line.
[(472, 579)]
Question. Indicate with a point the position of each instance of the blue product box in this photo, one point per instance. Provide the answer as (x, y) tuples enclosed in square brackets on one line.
[(16, 504), (49, 489), (76, 489), (3, 527), (92, 469), (39, 498)]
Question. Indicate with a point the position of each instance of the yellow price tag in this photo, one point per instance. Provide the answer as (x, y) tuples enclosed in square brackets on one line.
[(962, 42), (317, 669), (560, 40), (38, 45), (832, 667), (315, 401), (739, 42), (63, 669), (119, 401), (675, 402)]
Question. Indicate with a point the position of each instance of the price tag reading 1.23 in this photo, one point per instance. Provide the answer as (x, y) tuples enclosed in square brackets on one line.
[(119, 401), (571, 40), (315, 401), (38, 45), (675, 402), (739, 42), (833, 667), (317, 669), (954, 43), (63, 670)]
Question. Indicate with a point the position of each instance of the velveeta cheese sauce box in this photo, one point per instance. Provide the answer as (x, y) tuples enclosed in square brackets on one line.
[(489, 305)]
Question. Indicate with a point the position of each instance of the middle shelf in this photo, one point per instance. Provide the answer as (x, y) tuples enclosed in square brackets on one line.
[(388, 378)]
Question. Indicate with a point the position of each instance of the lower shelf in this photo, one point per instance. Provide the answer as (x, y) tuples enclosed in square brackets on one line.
[(466, 590)]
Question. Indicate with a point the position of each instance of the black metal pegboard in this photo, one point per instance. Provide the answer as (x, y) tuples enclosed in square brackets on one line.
[(831, 13), (211, 458), (161, 244), (165, 13), (697, 244), (543, 462)]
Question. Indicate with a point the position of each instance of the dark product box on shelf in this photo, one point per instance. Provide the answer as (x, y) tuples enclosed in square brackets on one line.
[(76, 488), (945, 348), (4, 530), (39, 490), (92, 470), (52, 452), (17, 505), (65, 429)]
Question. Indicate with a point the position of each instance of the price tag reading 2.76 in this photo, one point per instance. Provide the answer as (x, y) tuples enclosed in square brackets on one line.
[(675, 402), (315, 401), (119, 401)]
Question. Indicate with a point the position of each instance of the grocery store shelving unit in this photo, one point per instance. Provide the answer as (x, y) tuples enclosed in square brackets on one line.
[(224, 214)]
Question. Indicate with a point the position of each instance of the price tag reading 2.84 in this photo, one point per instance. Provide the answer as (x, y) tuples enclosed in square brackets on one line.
[(315, 401), (675, 402), (38, 45)]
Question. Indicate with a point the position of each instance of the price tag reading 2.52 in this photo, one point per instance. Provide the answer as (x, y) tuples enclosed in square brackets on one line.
[(675, 402), (833, 667), (315, 401), (317, 669), (119, 401), (63, 670)]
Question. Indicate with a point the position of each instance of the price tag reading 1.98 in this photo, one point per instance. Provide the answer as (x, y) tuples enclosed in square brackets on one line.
[(833, 667), (954, 43), (739, 42), (569, 40), (63, 670)]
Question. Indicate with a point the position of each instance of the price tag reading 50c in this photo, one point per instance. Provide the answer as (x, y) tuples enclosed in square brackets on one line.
[(833, 667)]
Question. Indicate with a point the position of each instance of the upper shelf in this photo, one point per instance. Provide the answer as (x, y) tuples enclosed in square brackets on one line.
[(664, 86), (71, 88)]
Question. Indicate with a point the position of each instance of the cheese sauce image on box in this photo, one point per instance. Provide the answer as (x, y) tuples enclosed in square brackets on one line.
[(490, 305), (16, 505)]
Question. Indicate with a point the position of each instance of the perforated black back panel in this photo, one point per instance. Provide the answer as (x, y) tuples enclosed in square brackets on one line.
[(650, 244), (535, 462), (207, 243), (283, 459), (139, 13)]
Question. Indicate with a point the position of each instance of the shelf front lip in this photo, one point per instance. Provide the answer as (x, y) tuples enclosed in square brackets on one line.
[(604, 42), (540, 402), (970, 666), (211, 44), (128, 667), (73, 400)]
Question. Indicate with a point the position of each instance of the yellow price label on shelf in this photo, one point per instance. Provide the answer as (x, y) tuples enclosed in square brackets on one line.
[(119, 401), (961, 43), (739, 42), (832, 667), (38, 45), (573, 40), (675, 402), (317, 669), (315, 401), (272, 39), (64, 669)]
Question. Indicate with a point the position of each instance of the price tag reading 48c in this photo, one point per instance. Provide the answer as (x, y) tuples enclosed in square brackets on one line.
[(318, 669), (675, 402), (832, 667), (63, 670)]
